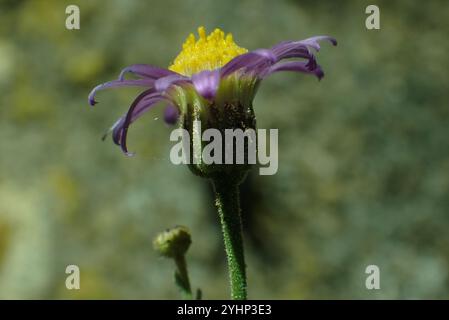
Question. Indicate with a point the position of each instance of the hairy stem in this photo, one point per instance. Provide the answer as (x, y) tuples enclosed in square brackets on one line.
[(182, 277), (228, 205)]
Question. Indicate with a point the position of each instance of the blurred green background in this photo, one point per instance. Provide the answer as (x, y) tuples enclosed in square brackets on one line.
[(363, 155)]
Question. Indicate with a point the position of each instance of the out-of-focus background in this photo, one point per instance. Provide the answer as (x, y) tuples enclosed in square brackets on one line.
[(364, 156)]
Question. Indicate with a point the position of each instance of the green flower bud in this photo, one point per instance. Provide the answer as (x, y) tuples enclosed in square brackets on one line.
[(173, 242)]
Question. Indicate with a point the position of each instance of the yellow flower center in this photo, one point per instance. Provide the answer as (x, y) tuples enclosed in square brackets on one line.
[(207, 53)]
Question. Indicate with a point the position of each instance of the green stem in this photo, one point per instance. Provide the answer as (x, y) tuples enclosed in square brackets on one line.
[(182, 277), (228, 205)]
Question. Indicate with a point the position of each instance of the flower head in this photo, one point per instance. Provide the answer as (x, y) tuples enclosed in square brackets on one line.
[(212, 80)]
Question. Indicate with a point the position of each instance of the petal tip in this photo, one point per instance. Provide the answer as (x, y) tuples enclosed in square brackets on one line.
[(91, 99)]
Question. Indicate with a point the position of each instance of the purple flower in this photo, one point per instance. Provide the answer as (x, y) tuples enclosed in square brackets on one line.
[(214, 70)]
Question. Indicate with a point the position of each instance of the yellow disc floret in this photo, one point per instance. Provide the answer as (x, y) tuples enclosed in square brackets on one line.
[(207, 53)]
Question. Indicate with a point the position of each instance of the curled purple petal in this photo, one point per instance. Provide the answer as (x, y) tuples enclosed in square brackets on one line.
[(116, 130), (171, 114), (297, 66), (145, 71), (206, 83), (117, 84), (140, 105), (314, 41)]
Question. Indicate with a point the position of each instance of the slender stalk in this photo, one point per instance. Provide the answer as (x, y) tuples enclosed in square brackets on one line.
[(228, 205), (182, 277)]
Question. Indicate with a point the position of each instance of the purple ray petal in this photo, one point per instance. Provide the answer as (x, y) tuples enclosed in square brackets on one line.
[(116, 130), (267, 54), (171, 114), (249, 61), (140, 105), (117, 84), (145, 71), (164, 83), (314, 41), (297, 66), (206, 83), (143, 106), (299, 49), (132, 115), (291, 49)]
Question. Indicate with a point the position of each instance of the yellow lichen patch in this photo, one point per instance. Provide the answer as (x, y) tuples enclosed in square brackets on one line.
[(207, 53)]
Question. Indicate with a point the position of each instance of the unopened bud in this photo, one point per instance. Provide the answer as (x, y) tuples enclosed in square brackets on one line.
[(173, 242)]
